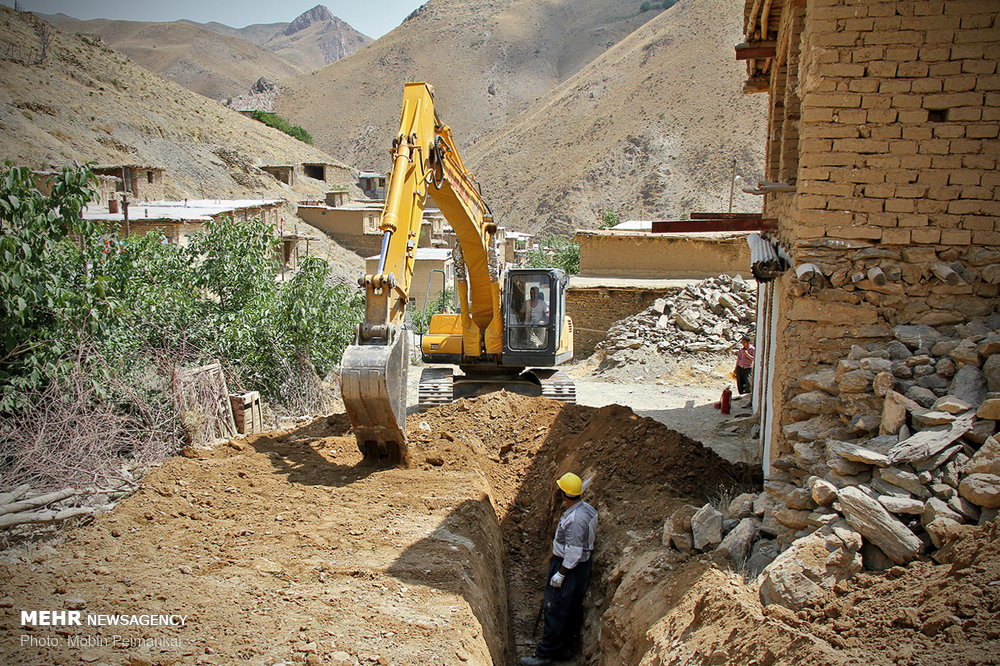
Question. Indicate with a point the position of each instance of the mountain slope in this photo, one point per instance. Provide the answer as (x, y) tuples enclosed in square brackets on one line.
[(316, 38), (211, 64), (649, 130), (487, 61), (87, 102)]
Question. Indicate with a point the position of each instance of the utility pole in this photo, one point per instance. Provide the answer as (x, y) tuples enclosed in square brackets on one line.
[(128, 229), (732, 186)]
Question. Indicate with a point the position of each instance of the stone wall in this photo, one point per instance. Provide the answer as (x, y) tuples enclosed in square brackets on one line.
[(892, 110)]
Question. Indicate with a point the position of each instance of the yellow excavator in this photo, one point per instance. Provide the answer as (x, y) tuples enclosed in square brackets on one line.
[(511, 328)]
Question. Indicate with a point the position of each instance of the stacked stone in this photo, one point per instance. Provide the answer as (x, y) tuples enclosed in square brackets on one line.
[(709, 316), (897, 447)]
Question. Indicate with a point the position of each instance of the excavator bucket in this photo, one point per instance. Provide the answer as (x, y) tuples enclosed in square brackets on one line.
[(373, 386)]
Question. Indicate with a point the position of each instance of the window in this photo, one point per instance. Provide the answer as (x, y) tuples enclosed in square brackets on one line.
[(528, 320), (149, 177)]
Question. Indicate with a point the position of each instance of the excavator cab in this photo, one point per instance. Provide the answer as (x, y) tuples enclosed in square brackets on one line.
[(534, 318)]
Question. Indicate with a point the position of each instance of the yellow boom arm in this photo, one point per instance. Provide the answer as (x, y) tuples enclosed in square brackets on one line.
[(373, 377)]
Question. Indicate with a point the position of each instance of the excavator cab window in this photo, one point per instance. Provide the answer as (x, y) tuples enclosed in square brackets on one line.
[(528, 311)]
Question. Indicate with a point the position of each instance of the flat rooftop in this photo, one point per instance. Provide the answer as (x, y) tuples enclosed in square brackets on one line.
[(201, 210)]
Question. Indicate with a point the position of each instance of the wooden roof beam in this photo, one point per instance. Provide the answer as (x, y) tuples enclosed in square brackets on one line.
[(751, 50)]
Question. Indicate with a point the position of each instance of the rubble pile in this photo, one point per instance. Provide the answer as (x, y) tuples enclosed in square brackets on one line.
[(710, 316), (894, 450)]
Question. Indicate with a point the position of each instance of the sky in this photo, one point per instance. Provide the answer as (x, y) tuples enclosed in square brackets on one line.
[(371, 17)]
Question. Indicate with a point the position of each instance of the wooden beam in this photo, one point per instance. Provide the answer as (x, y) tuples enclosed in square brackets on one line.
[(749, 50), (726, 216), (694, 226)]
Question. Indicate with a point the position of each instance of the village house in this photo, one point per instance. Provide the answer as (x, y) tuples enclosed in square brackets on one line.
[(139, 182), (177, 220), (882, 167), (433, 271), (659, 255)]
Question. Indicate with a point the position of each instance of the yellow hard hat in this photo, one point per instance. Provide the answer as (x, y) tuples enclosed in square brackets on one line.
[(570, 484)]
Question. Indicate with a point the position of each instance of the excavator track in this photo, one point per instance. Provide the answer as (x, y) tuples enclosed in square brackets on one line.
[(437, 387), (556, 385)]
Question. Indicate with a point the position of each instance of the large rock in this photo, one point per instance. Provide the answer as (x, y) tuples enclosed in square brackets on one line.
[(981, 489), (821, 380), (868, 516), (706, 527), (908, 481), (916, 336), (969, 385), (814, 402), (936, 508), (824, 493), (986, 460), (763, 553), (808, 569), (742, 506), (677, 529), (737, 543), (991, 371), (907, 505), (859, 454)]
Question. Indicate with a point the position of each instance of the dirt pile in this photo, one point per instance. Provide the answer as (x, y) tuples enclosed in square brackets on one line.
[(697, 612)]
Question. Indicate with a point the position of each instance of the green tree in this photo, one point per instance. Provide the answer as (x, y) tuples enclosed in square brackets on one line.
[(50, 296), (556, 252)]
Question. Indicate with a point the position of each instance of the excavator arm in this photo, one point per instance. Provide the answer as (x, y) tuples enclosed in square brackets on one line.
[(373, 370)]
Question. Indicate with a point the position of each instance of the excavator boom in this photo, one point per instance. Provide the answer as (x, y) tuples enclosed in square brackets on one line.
[(374, 368)]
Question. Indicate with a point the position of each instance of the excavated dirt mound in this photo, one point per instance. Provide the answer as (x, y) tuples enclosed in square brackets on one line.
[(283, 547), (925, 613)]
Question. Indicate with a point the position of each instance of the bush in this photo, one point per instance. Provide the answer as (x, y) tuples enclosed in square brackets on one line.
[(279, 123), (556, 252), (610, 219)]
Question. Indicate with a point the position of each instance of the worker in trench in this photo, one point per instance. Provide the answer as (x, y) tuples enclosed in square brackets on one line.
[(569, 574)]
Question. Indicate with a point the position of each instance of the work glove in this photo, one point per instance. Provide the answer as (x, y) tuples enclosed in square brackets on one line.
[(557, 580)]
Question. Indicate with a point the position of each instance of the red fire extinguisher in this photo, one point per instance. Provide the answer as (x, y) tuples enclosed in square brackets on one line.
[(727, 395)]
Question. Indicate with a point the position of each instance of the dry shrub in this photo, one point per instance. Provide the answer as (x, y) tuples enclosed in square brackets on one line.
[(77, 433)]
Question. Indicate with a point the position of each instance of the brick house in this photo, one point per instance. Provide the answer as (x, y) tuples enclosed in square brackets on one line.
[(141, 182), (883, 124)]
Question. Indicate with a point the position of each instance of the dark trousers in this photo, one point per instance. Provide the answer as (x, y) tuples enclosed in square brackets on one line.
[(563, 610), (744, 380)]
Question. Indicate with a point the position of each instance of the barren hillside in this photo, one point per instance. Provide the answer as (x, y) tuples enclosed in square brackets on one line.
[(314, 39), (85, 101), (218, 61), (563, 109), (649, 129), (209, 63), (487, 61)]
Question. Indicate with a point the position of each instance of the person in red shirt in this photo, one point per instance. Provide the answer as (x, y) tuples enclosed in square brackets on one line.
[(744, 366)]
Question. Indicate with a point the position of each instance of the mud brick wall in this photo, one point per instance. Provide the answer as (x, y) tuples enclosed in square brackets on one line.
[(893, 110)]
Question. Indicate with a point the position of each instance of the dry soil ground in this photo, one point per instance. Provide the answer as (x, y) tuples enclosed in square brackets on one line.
[(284, 548)]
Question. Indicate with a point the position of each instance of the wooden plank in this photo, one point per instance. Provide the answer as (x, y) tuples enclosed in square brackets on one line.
[(691, 226), (752, 50), (726, 216)]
